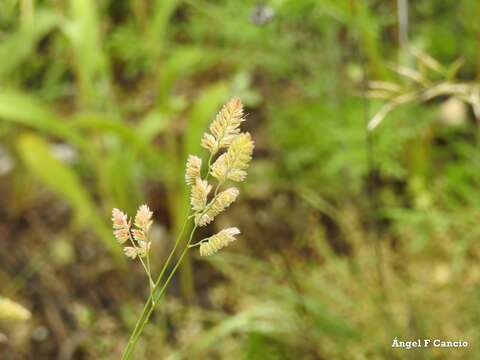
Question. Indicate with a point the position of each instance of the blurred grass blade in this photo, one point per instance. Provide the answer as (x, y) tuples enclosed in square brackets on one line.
[(137, 140), (162, 12), (18, 47), (427, 60), (60, 179), (83, 31), (369, 29), (153, 124), (182, 62), (239, 322), (454, 68), (22, 109)]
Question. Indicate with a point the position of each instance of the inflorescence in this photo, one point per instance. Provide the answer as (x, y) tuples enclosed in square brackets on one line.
[(230, 155)]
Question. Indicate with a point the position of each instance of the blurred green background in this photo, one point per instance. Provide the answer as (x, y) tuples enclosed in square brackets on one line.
[(350, 237)]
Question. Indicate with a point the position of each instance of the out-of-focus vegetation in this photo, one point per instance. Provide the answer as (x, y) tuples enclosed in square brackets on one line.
[(349, 238)]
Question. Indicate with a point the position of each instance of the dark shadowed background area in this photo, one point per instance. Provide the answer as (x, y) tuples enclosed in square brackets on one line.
[(360, 216)]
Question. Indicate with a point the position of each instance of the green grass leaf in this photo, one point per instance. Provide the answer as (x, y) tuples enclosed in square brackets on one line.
[(20, 108), (63, 181)]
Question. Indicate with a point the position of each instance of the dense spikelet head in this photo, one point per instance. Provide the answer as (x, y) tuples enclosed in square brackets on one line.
[(143, 248), (12, 311), (220, 203), (220, 168), (130, 252), (121, 235), (218, 241), (143, 218), (193, 169), (227, 122), (121, 225), (123, 231), (199, 193), (210, 143), (139, 235), (119, 219), (206, 249), (225, 126), (232, 164)]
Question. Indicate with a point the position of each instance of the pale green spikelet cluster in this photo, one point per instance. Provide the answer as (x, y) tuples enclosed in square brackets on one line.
[(220, 203), (199, 193), (194, 165), (138, 235), (12, 311), (230, 165), (218, 241), (225, 127)]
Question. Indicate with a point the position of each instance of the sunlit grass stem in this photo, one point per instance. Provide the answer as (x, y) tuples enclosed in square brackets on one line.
[(157, 293)]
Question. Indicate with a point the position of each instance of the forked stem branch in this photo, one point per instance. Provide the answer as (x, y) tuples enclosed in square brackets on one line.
[(157, 292)]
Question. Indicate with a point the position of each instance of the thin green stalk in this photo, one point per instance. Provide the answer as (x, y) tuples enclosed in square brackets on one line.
[(159, 294), (150, 300), (146, 267), (209, 165), (152, 284), (174, 249), (216, 191), (172, 252), (149, 276), (198, 243), (153, 300)]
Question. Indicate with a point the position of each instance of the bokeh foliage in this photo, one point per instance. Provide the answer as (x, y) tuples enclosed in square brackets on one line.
[(349, 238)]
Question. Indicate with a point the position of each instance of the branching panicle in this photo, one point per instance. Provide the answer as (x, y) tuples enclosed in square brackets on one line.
[(230, 165), (139, 243), (193, 169), (199, 193), (218, 241), (225, 127), (216, 206)]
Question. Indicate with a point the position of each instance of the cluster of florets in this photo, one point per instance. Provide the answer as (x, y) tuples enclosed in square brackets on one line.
[(231, 151)]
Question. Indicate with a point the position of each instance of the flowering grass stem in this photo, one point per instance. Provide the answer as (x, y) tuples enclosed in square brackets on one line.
[(231, 165), (157, 293)]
